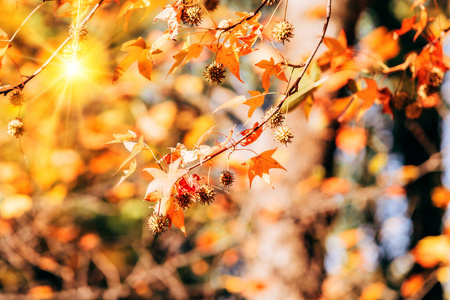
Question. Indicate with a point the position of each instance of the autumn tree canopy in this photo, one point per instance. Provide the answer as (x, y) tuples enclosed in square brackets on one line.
[(189, 102)]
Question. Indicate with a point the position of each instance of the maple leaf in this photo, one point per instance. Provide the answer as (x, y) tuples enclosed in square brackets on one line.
[(252, 137), (362, 100), (257, 100), (4, 44), (337, 54), (172, 14), (184, 55), (260, 166), (367, 96), (357, 104), (227, 57), (163, 183), (189, 185), (271, 69), (138, 51)]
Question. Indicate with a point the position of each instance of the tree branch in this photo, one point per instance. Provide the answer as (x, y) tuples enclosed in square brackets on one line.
[(291, 91), (47, 62)]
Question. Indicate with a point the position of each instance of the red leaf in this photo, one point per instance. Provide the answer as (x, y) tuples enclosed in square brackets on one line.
[(189, 185), (252, 137), (407, 25)]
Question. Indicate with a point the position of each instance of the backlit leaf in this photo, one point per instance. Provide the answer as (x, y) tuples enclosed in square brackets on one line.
[(260, 166)]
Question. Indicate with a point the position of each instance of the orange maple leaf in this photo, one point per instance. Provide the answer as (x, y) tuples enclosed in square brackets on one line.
[(252, 137), (140, 52), (184, 55), (172, 14), (337, 54), (228, 57), (257, 100), (271, 69), (361, 101), (236, 42), (260, 166)]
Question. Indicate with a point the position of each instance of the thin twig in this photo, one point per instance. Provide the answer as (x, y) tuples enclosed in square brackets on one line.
[(26, 19)]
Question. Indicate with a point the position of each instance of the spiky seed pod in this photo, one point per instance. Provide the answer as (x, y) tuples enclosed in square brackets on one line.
[(206, 195), (226, 178), (16, 98), (184, 200), (284, 135), (400, 100), (214, 73), (157, 223), (271, 2), (435, 76), (276, 120), (413, 110), (211, 5), (192, 15), (16, 128), (282, 31), (78, 32)]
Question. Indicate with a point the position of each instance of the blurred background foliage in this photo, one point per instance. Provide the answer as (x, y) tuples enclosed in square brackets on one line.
[(67, 232)]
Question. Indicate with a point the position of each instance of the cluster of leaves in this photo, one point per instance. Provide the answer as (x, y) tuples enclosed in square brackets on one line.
[(175, 187), (334, 69)]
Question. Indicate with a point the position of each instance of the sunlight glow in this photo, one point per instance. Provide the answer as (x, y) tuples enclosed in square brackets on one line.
[(73, 68)]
